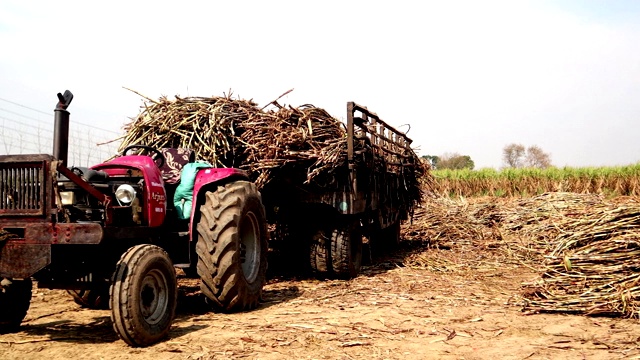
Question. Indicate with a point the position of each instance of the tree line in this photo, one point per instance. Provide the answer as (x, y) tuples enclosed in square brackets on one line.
[(513, 156)]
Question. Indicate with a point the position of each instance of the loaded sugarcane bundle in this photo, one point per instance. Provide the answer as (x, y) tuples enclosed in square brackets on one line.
[(306, 140), (305, 144), (236, 133), (205, 125)]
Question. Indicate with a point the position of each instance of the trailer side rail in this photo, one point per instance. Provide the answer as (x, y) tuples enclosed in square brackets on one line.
[(387, 142)]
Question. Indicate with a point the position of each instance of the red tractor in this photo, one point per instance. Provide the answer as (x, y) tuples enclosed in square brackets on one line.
[(112, 234)]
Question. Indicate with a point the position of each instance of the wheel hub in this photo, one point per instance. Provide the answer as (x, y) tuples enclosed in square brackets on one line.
[(154, 297), (249, 246)]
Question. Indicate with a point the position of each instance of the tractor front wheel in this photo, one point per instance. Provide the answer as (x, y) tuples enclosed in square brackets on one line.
[(232, 246), (15, 298), (143, 295)]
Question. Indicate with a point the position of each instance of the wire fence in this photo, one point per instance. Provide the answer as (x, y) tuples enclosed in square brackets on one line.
[(24, 130)]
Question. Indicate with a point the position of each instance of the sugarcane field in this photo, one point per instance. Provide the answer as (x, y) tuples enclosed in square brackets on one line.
[(531, 266)]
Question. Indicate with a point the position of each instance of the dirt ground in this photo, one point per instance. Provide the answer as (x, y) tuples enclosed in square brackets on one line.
[(390, 311)]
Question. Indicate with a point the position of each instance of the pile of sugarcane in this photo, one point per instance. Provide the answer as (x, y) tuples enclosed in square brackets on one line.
[(585, 248), (303, 143), (592, 265), (589, 251), (442, 222)]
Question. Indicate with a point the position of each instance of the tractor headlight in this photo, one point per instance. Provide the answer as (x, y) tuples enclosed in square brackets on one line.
[(67, 197), (125, 194)]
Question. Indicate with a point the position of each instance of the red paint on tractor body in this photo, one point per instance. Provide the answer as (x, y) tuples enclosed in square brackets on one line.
[(154, 195)]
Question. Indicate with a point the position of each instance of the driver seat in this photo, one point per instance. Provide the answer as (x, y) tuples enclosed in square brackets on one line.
[(175, 160)]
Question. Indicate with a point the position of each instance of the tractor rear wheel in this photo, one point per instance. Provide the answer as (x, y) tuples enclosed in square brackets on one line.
[(143, 295), (232, 246), (15, 298), (346, 250)]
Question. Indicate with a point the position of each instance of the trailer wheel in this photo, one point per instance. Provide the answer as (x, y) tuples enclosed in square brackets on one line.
[(386, 240), (293, 247), (232, 246), (319, 253), (346, 250), (15, 299), (392, 235), (97, 299), (143, 295)]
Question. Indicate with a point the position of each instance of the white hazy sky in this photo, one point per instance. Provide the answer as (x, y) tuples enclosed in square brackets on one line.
[(469, 76)]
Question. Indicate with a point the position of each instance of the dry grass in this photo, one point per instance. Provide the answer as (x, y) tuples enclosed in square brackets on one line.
[(585, 248)]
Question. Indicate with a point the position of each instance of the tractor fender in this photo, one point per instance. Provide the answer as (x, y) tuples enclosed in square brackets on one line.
[(204, 180)]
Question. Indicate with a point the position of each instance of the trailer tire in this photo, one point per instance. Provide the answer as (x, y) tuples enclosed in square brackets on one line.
[(393, 235), (232, 246), (15, 299), (319, 251), (143, 295), (294, 248), (96, 299), (346, 250), (386, 240)]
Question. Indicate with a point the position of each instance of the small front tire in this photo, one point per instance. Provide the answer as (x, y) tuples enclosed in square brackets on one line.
[(143, 295)]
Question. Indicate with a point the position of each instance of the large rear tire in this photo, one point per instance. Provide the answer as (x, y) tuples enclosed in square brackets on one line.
[(15, 299), (232, 246), (143, 295), (346, 250)]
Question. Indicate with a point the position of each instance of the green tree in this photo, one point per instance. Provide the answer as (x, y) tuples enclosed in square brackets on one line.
[(455, 161), (432, 160)]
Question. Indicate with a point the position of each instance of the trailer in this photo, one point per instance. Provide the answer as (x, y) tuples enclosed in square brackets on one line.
[(367, 196)]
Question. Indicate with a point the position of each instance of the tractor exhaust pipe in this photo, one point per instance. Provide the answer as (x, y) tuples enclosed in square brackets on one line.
[(61, 127)]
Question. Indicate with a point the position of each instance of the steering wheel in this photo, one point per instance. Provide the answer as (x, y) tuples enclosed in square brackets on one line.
[(77, 171), (158, 159)]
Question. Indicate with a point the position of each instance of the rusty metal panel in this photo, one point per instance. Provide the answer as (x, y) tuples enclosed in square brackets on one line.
[(89, 233), (20, 260), (63, 233), (23, 185), (25, 158), (43, 232)]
